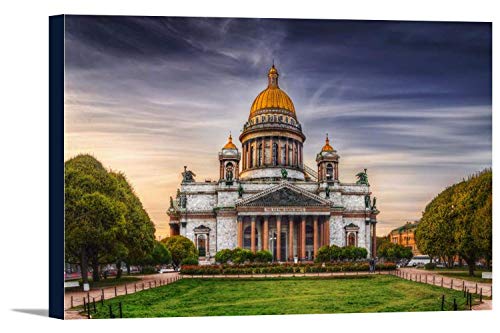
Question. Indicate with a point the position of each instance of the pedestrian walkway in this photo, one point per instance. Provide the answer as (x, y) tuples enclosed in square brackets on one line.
[(433, 277), (77, 298)]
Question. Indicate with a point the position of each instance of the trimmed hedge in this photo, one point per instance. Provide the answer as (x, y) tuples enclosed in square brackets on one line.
[(286, 268)]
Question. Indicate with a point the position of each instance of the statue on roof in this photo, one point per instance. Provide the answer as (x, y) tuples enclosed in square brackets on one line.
[(327, 191), (374, 204), (188, 176), (284, 173), (240, 191), (362, 178)]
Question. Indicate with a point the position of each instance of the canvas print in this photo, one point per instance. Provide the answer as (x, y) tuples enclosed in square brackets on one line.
[(230, 166)]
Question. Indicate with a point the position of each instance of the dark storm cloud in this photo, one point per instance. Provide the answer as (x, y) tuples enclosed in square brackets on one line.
[(409, 100)]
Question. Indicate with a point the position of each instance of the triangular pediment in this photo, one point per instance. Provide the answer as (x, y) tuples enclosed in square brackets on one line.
[(284, 194)]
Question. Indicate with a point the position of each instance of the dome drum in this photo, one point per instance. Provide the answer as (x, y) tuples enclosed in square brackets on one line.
[(272, 138)]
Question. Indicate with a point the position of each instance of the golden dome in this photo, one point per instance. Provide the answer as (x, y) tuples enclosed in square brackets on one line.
[(229, 144), (272, 97), (327, 146)]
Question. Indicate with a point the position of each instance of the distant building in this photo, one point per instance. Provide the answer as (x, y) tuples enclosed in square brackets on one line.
[(405, 235)]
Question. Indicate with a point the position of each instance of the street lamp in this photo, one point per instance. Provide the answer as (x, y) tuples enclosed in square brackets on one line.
[(272, 239)]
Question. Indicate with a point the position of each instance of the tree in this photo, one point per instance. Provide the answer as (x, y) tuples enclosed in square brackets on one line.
[(472, 218), (94, 221), (139, 234), (393, 252), (180, 248), (104, 219), (459, 222), (435, 233), (381, 241), (160, 255)]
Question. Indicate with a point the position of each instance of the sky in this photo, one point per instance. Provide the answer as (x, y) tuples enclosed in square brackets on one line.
[(409, 101)]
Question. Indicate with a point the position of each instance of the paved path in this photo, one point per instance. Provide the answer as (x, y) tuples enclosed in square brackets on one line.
[(75, 298), (434, 278), (448, 282)]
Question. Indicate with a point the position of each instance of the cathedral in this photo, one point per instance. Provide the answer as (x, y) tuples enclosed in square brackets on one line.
[(267, 198)]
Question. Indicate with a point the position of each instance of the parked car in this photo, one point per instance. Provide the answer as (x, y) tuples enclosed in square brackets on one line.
[(165, 270), (419, 261)]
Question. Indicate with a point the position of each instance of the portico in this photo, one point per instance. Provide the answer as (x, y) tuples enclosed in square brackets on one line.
[(271, 221)]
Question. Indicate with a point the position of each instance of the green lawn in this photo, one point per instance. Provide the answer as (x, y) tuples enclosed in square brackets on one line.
[(300, 295), (465, 276)]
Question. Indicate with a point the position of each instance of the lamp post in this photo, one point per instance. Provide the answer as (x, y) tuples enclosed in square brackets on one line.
[(273, 239)]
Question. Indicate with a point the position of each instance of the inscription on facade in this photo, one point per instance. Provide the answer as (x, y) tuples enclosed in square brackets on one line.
[(284, 209)]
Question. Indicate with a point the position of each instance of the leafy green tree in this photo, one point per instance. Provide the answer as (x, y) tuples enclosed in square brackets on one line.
[(160, 255), (472, 218), (139, 233), (381, 241), (393, 252), (459, 222), (435, 233), (180, 248), (94, 220)]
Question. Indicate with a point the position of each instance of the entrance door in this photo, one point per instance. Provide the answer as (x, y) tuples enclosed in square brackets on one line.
[(283, 246), (202, 243)]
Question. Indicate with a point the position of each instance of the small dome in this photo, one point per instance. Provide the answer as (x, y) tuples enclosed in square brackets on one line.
[(327, 146), (229, 144), (272, 97)]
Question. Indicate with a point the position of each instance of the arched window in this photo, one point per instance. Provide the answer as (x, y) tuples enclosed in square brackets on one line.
[(309, 235), (229, 171), (351, 239), (289, 159), (296, 157), (275, 154), (251, 157), (202, 245), (259, 155), (283, 155), (329, 171)]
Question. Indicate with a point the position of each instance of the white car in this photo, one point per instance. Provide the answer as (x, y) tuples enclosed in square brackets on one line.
[(166, 270), (419, 261)]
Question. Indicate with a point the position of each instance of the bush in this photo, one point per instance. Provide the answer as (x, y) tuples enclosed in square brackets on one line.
[(223, 256), (430, 265), (263, 256), (335, 252), (240, 256), (190, 261), (180, 248), (276, 268), (324, 254)]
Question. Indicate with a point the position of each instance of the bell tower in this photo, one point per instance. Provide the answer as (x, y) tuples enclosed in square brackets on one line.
[(229, 159), (328, 163)]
